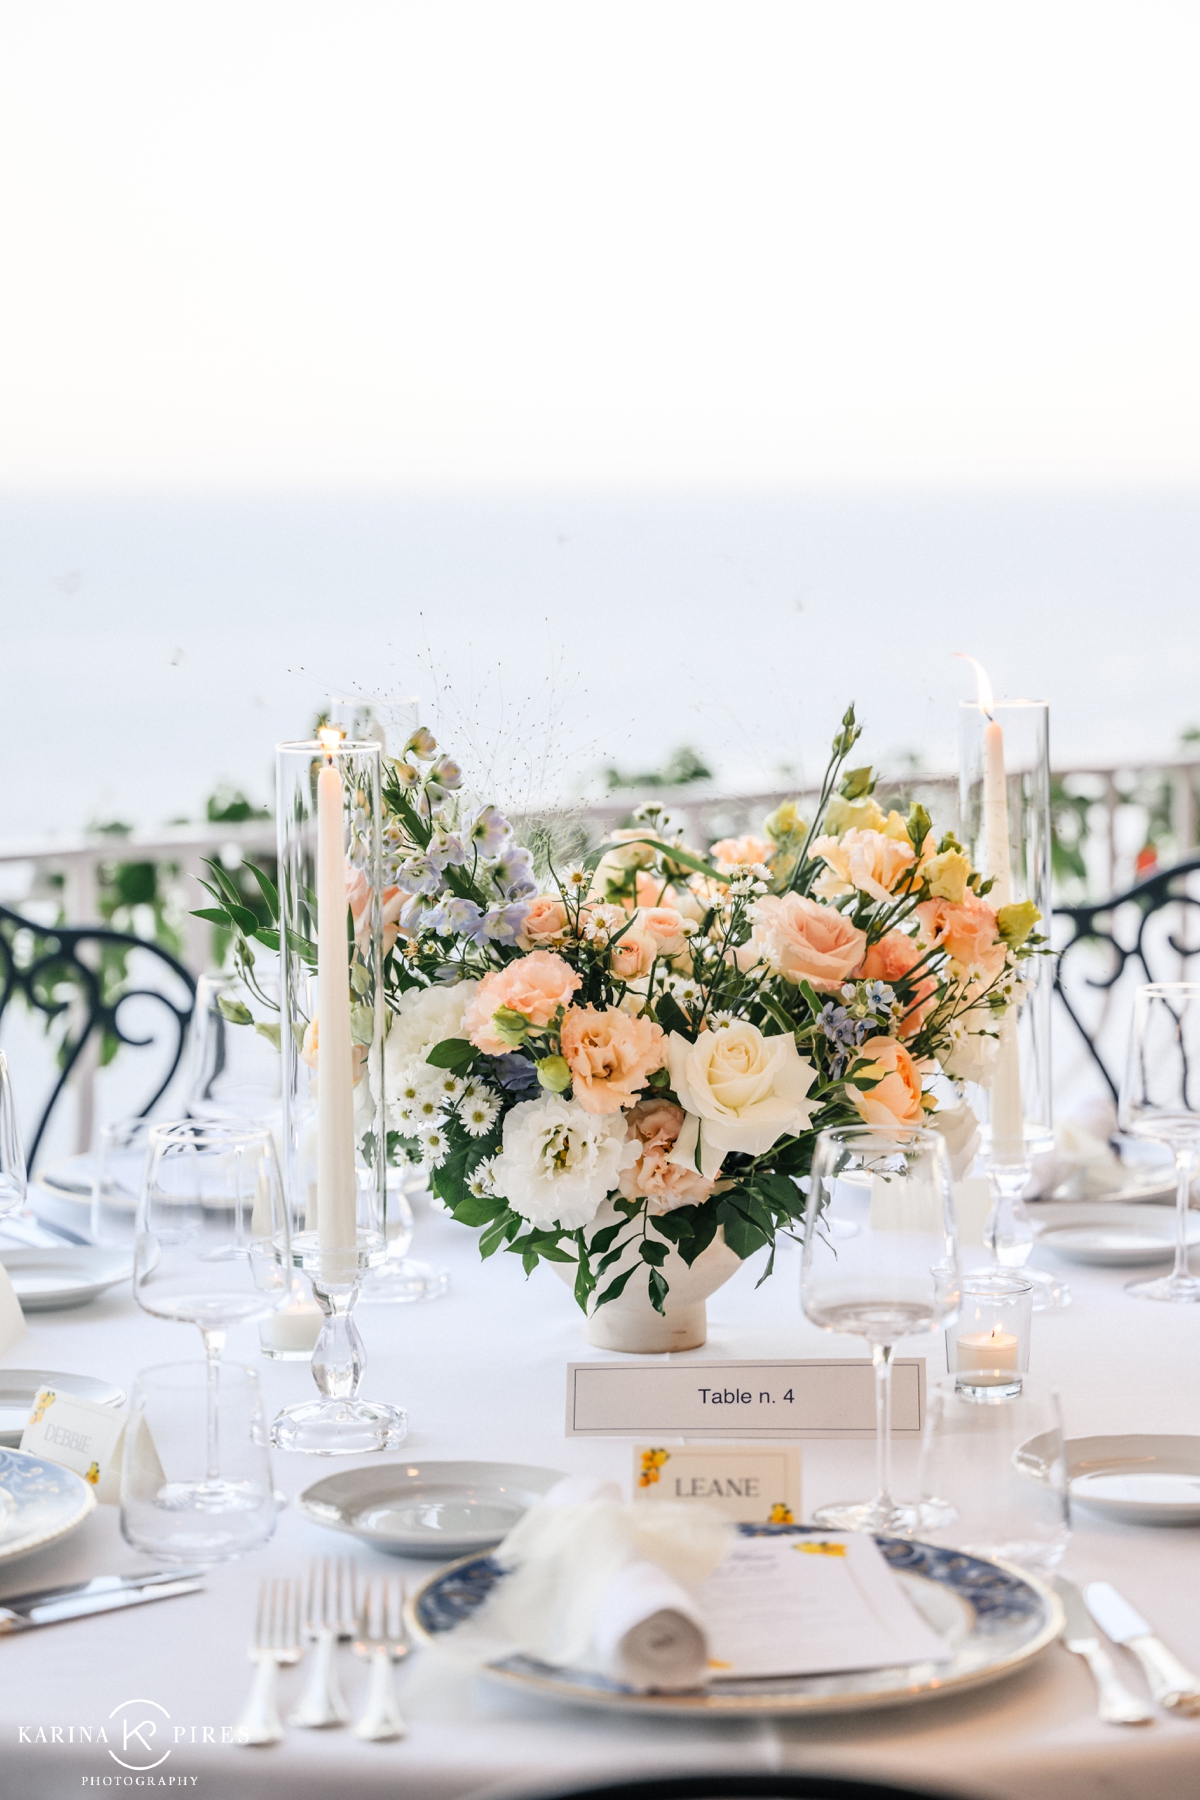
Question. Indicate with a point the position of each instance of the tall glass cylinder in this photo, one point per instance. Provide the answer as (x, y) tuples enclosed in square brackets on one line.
[(332, 1034), (1004, 800)]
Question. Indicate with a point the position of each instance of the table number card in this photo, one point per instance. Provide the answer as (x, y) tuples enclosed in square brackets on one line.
[(78, 1434), (817, 1397), (757, 1484)]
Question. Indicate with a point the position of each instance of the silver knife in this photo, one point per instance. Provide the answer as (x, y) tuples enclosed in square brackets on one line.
[(100, 1584), (1115, 1704), (80, 1606), (1173, 1684)]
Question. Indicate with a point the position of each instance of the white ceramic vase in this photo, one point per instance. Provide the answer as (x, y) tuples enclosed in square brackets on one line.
[(629, 1323)]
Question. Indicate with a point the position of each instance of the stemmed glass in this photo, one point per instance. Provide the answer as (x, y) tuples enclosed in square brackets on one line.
[(880, 1262), (12, 1150), (213, 1248), (1160, 1099), (234, 1065)]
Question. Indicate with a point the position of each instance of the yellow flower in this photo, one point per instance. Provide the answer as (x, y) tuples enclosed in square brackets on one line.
[(852, 815), (948, 876), (784, 822), (1015, 922)]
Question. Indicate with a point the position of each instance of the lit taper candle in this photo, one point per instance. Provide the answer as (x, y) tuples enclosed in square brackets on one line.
[(336, 1181)]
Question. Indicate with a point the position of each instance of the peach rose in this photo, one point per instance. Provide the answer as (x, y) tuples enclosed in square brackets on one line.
[(869, 861), (803, 941), (545, 922), (534, 986), (896, 1098), (654, 1126), (310, 1052), (359, 894), (654, 890), (968, 933), (740, 852), (665, 926), (610, 1056), (633, 955), (890, 960)]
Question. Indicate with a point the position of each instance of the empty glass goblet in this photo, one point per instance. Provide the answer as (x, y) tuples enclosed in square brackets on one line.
[(12, 1150), (880, 1262), (1160, 1099)]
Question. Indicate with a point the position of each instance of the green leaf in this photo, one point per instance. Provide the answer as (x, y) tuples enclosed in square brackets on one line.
[(244, 919), (267, 888), (769, 1270), (654, 1254), (658, 1291), (236, 1011), (270, 1032), (213, 916), (616, 1288), (605, 1239), (452, 1053), (742, 1234), (505, 1227), (478, 1209), (673, 854), (268, 936), (672, 1017)]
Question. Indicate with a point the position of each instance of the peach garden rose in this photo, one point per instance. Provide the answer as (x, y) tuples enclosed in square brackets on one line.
[(803, 941), (896, 1097)]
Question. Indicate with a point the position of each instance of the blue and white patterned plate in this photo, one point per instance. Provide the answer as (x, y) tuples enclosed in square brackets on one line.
[(39, 1503), (995, 1617)]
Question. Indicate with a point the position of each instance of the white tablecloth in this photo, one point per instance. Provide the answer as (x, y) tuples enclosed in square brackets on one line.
[(481, 1373)]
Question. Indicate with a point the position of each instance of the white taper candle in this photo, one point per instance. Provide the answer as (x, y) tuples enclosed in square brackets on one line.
[(336, 1182)]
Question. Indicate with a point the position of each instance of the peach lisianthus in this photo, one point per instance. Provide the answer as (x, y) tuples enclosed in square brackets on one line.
[(891, 959), (610, 1056), (968, 932), (654, 1125), (634, 952), (534, 986), (870, 862), (546, 923), (803, 941), (741, 852), (896, 1097), (359, 895)]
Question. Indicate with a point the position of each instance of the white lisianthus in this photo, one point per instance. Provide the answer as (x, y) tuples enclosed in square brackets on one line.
[(970, 1054), (558, 1162), (960, 1128), (741, 1092), (426, 1016)]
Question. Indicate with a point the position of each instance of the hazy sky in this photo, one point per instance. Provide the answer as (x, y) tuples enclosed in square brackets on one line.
[(644, 242)]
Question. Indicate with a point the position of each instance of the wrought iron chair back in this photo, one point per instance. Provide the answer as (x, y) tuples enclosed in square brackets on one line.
[(75, 977), (1132, 934)]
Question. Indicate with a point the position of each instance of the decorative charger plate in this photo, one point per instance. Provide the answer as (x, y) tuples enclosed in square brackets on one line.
[(39, 1503), (51, 1280), (1109, 1233), (996, 1618), (19, 1387), (427, 1508)]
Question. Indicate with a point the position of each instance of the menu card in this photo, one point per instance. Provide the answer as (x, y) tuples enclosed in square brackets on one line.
[(810, 1605)]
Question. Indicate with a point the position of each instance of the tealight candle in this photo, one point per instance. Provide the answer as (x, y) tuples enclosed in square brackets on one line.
[(292, 1331), (987, 1350)]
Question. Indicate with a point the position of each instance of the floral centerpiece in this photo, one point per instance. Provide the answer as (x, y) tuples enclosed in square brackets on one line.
[(603, 1063)]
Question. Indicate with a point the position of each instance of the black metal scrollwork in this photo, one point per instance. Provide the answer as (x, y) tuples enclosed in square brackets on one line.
[(65, 973), (1096, 923)]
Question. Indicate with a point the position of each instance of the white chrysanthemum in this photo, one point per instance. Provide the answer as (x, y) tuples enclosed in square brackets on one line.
[(425, 1017), (559, 1162), (435, 1147), (482, 1185), (450, 1087), (479, 1114), (427, 1110)]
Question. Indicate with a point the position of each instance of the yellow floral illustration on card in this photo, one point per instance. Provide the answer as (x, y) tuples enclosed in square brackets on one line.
[(780, 1514), (42, 1405), (652, 1462), (821, 1548), (93, 1474)]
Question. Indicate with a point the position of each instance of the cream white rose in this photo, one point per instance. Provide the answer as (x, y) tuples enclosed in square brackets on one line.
[(558, 1162), (741, 1091)]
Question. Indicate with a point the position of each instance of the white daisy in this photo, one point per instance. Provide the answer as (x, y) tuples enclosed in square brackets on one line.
[(435, 1147), (482, 1184), (477, 1116), (450, 1087)]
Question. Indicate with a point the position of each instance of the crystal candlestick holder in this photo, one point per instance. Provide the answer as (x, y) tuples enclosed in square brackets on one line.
[(338, 1423)]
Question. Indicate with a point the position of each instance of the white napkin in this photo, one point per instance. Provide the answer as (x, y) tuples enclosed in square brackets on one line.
[(648, 1632), (598, 1584), (1083, 1164)]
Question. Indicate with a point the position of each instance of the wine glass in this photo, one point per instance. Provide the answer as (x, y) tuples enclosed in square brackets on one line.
[(12, 1150), (118, 1174), (213, 1245), (880, 1262), (1160, 1099), (234, 1066)]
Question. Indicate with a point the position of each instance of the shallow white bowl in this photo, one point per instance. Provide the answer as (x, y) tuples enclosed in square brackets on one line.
[(440, 1509), (1141, 1480)]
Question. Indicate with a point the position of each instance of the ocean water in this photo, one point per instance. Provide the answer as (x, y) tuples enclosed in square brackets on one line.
[(153, 645)]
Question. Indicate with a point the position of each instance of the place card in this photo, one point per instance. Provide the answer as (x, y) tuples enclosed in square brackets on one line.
[(811, 1605), (86, 1437), (815, 1397), (757, 1484)]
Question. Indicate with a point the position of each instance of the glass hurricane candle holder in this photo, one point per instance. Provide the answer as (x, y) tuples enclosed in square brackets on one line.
[(988, 1347), (332, 1033)]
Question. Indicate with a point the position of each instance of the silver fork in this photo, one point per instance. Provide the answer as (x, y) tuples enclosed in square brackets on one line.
[(329, 1615), (382, 1636), (276, 1640)]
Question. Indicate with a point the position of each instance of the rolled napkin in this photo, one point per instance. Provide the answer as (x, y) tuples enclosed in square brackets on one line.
[(595, 1583), (647, 1631), (1083, 1164)]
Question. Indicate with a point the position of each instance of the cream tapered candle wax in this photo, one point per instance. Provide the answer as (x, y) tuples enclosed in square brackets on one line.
[(336, 1182), (1007, 1111)]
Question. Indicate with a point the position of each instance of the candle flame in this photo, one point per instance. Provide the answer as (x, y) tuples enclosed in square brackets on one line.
[(331, 738), (982, 684)]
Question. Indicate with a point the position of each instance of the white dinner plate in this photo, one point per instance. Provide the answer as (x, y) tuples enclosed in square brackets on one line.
[(440, 1509), (1108, 1233), (19, 1387), (41, 1503), (1141, 1480), (995, 1617), (70, 1179), (51, 1280)]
